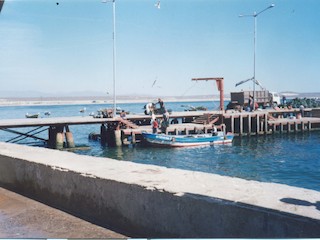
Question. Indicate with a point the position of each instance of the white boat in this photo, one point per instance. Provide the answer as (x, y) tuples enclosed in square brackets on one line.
[(36, 115)]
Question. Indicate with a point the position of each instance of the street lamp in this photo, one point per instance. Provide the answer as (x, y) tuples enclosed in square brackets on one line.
[(255, 15), (114, 53)]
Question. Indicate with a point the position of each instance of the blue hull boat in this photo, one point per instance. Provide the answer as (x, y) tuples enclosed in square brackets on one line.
[(163, 140)]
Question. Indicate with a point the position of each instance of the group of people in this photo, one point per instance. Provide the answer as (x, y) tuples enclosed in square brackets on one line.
[(164, 124)]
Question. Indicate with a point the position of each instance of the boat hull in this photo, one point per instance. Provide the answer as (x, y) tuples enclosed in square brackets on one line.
[(163, 140), (32, 116)]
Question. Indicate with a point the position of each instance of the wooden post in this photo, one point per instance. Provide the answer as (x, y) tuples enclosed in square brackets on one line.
[(249, 124), (241, 125), (176, 131), (258, 124), (103, 134), (232, 123), (117, 138), (69, 138), (266, 123), (56, 138), (133, 138), (52, 133), (309, 125), (59, 140)]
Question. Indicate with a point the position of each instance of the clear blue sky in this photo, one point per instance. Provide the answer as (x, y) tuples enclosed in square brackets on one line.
[(68, 47)]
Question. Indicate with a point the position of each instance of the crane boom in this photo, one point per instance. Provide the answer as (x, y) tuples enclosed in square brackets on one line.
[(255, 81), (220, 86)]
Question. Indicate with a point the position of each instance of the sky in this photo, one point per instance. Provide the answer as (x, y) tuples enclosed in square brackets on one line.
[(61, 46)]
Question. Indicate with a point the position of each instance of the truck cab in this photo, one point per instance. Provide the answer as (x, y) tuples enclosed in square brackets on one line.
[(275, 98)]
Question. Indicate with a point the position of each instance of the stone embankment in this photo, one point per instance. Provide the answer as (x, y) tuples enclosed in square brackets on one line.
[(152, 201)]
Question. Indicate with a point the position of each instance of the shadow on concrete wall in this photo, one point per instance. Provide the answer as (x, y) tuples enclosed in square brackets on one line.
[(301, 202)]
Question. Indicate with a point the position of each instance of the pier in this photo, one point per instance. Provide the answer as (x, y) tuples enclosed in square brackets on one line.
[(116, 131)]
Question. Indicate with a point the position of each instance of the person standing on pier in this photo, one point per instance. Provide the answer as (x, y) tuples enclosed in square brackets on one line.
[(162, 107), (249, 103), (165, 122), (123, 114), (301, 110)]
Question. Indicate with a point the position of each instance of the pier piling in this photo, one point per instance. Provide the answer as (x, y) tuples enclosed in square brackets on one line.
[(59, 140)]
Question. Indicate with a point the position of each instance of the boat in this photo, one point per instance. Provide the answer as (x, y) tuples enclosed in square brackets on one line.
[(189, 108), (32, 115), (191, 140)]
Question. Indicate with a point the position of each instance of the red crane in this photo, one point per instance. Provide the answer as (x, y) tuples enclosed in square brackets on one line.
[(219, 81)]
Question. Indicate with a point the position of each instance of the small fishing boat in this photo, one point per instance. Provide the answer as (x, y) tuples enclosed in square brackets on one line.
[(82, 110), (189, 108), (32, 115), (163, 140)]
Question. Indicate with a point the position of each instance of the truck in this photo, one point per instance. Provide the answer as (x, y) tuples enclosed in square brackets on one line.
[(263, 98)]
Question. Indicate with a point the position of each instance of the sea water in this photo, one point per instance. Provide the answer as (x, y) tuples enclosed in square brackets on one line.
[(292, 159)]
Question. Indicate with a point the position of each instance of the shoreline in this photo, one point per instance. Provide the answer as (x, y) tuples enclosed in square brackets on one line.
[(26, 102)]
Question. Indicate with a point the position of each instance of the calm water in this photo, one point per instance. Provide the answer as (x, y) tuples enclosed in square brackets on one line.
[(292, 159)]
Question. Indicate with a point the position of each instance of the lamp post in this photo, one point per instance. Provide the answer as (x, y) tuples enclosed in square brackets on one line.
[(114, 53), (255, 15)]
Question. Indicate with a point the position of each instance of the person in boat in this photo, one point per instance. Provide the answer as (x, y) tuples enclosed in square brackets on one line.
[(155, 126), (165, 122)]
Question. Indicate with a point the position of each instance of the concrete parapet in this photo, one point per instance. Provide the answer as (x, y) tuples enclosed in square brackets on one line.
[(152, 201)]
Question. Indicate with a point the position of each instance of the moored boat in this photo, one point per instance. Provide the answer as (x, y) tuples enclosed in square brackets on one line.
[(163, 140), (32, 115)]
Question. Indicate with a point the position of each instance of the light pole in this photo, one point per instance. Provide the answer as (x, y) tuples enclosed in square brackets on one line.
[(255, 15), (1, 4), (114, 54)]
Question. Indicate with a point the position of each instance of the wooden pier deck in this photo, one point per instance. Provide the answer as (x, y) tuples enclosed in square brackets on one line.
[(129, 130), (53, 121)]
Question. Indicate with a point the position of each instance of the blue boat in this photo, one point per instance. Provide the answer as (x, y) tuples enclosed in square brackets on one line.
[(163, 140)]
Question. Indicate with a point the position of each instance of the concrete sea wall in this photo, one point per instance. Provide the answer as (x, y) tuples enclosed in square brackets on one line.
[(152, 201)]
